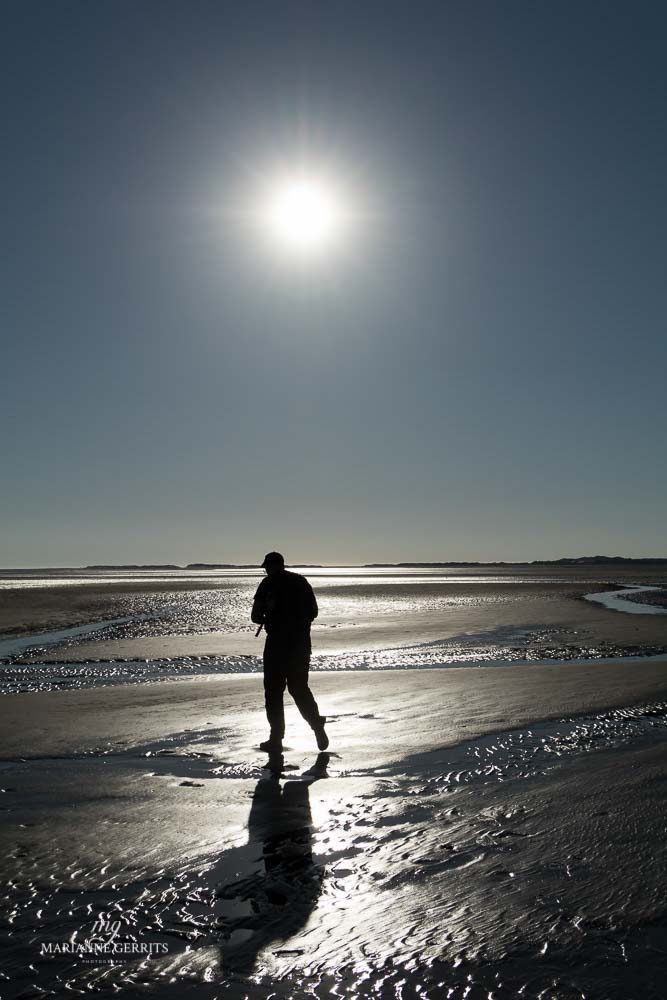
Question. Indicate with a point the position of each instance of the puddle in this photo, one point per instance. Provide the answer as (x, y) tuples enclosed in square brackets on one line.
[(616, 600), (14, 646)]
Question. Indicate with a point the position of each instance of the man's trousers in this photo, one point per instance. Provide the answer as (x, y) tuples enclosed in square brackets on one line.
[(286, 665)]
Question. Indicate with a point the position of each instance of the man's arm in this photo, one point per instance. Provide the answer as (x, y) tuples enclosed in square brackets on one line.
[(258, 613), (313, 610)]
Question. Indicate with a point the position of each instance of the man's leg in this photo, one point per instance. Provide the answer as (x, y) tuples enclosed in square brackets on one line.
[(274, 688), (297, 685)]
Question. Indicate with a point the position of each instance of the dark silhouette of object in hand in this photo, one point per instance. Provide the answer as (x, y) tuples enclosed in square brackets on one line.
[(285, 606)]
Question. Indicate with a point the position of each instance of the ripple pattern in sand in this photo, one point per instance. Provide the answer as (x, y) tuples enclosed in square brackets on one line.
[(460, 873)]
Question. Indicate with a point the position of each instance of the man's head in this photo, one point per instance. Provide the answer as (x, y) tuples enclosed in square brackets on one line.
[(273, 563)]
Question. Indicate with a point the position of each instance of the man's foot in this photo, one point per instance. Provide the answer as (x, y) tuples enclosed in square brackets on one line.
[(320, 734), (271, 746)]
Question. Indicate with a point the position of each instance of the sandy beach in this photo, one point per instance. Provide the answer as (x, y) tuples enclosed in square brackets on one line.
[(472, 832)]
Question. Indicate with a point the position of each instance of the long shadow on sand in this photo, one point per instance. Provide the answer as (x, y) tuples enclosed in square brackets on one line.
[(282, 894)]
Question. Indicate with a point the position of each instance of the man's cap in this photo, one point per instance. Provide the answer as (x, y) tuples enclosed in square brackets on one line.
[(273, 559)]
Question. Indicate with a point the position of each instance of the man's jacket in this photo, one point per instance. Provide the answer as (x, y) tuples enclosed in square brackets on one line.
[(285, 605)]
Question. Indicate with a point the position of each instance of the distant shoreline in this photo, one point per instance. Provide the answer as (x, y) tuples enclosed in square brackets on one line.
[(455, 564)]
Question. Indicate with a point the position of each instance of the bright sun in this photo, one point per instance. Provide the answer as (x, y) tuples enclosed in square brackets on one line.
[(304, 215)]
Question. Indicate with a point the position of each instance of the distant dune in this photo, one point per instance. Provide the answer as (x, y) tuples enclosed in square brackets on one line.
[(576, 561)]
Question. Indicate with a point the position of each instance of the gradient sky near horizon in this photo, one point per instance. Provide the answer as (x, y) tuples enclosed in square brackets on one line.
[(477, 371)]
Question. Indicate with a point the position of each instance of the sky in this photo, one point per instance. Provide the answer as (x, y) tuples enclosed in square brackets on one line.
[(476, 369)]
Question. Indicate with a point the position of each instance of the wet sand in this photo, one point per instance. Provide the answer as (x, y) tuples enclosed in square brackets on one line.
[(61, 603), (547, 613), (450, 705), (65, 606), (472, 832), (567, 621)]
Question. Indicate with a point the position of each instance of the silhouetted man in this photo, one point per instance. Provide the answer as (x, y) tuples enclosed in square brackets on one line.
[(285, 605)]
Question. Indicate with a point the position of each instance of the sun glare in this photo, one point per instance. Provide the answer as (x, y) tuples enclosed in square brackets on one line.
[(304, 216)]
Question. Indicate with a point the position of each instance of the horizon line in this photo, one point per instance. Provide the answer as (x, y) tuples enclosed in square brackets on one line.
[(403, 564)]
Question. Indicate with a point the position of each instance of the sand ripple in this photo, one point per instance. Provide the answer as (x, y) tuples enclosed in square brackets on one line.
[(500, 867)]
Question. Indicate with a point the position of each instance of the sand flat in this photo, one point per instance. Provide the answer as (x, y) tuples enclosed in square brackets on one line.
[(473, 832), (448, 839), (449, 704), (210, 617)]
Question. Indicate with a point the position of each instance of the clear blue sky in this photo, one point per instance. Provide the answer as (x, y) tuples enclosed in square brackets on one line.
[(479, 374)]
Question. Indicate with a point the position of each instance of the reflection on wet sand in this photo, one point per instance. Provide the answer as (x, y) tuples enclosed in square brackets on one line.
[(103, 634), (524, 862), (282, 895)]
